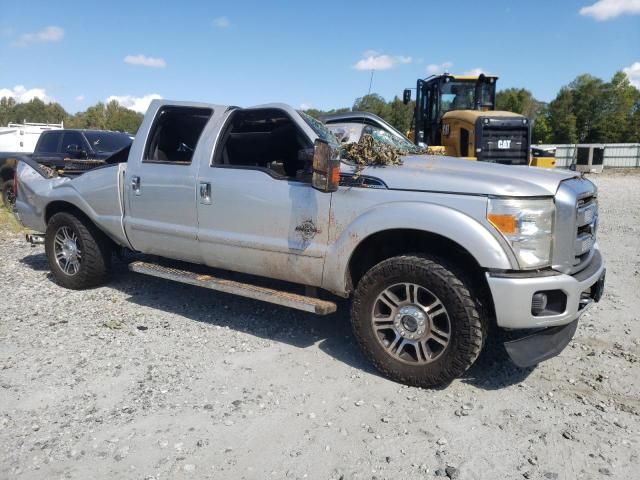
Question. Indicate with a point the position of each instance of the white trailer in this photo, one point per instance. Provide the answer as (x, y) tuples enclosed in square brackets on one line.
[(22, 137)]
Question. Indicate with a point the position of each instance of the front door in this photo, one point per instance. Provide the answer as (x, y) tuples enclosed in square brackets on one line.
[(255, 214)]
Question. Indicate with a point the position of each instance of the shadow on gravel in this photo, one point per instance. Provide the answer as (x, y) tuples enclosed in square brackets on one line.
[(36, 261), (493, 370)]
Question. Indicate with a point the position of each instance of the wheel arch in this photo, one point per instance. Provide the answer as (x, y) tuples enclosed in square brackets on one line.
[(7, 172), (400, 241), (419, 226), (58, 206)]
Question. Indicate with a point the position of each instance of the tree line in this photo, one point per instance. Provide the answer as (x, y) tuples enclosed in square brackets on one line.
[(587, 110), (110, 116)]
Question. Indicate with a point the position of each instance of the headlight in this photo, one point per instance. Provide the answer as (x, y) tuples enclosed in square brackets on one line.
[(528, 227)]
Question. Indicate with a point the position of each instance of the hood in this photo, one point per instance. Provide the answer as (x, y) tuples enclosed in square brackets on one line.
[(448, 174)]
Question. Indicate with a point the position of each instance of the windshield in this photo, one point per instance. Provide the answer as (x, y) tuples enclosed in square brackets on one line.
[(459, 95), (395, 141), (321, 130), (108, 141)]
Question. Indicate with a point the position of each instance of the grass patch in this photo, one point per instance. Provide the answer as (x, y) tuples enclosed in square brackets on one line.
[(8, 223)]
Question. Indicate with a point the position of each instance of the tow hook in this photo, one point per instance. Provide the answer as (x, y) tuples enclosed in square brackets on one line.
[(35, 239)]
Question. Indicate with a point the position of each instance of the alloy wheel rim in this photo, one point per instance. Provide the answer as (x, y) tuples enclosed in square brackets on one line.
[(411, 323), (67, 251)]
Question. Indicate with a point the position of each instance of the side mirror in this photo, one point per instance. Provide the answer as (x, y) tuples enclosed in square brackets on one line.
[(326, 167), (406, 96)]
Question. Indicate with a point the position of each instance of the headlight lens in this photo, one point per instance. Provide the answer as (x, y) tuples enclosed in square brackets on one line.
[(528, 227)]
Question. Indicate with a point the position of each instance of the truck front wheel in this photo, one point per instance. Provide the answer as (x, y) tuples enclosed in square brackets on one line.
[(79, 254), (417, 321)]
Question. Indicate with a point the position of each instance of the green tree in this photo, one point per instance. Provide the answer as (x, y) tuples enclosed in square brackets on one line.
[(7, 105), (36, 110), (541, 130), (372, 103), (122, 119), (587, 93), (562, 121), (620, 102), (517, 100), (401, 115)]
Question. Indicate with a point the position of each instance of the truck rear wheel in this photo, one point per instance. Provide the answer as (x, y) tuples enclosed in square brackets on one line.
[(79, 254), (8, 195), (417, 321)]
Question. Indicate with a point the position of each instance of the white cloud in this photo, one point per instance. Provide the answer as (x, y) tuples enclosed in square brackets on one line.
[(607, 9), (374, 60), (305, 106), (80, 98), (21, 95), (437, 68), (47, 34), (633, 74), (137, 104), (221, 22), (144, 61)]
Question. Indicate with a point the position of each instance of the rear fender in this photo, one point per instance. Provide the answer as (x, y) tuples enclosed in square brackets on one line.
[(96, 193)]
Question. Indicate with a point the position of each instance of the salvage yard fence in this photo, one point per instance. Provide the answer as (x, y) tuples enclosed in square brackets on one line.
[(617, 155)]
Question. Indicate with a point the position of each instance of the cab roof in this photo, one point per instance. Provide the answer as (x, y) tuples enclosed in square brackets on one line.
[(460, 77)]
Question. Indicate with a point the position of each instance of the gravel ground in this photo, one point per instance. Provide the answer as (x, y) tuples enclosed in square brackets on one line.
[(145, 378)]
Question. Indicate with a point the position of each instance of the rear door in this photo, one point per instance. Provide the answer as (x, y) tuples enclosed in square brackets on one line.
[(160, 185)]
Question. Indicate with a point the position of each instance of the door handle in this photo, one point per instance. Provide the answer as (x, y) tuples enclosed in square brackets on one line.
[(205, 193), (135, 184)]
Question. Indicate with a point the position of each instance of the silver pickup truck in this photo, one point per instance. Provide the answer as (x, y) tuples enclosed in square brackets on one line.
[(433, 252)]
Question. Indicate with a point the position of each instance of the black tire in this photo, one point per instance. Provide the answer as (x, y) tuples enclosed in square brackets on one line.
[(95, 262), (8, 195), (466, 327)]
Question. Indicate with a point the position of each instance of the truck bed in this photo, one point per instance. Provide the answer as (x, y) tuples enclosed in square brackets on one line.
[(98, 193)]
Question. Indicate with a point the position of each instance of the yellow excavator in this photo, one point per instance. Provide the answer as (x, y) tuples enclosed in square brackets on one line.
[(455, 115)]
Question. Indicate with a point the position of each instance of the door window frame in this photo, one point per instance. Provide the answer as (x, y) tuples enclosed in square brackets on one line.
[(222, 138), (61, 146), (154, 126)]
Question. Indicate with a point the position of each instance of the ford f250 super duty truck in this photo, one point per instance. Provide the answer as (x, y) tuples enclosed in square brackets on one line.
[(432, 252)]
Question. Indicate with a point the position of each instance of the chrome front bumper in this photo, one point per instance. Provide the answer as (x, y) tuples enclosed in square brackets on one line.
[(512, 295)]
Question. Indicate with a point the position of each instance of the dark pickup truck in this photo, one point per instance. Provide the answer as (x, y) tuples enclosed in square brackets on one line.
[(73, 151)]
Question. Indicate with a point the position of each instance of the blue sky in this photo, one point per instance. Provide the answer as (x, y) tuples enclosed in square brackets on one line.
[(302, 53)]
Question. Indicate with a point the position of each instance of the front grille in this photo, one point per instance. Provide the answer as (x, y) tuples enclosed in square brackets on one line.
[(586, 225), (504, 144), (575, 226)]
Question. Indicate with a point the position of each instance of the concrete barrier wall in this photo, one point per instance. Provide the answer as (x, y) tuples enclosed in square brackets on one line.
[(620, 155)]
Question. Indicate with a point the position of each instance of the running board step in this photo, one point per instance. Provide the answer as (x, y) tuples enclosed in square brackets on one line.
[(279, 297)]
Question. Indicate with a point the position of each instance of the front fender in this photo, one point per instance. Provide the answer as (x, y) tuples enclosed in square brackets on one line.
[(447, 222)]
